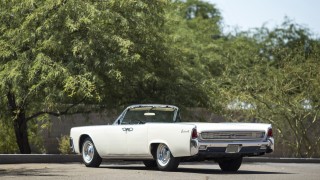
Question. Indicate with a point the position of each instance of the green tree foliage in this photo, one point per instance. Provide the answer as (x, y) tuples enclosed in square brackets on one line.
[(55, 55), (274, 76), (193, 29), (8, 143), (66, 56), (147, 72)]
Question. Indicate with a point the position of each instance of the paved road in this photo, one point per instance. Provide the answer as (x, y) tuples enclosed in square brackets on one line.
[(137, 171)]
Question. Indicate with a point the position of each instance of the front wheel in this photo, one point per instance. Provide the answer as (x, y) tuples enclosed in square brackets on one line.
[(90, 155), (165, 160), (230, 164)]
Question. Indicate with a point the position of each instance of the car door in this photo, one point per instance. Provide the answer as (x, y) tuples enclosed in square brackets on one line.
[(114, 140), (137, 139)]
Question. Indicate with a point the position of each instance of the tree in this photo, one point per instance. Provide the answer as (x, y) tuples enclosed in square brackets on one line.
[(174, 63), (146, 77), (291, 98), (191, 27), (276, 72), (56, 55)]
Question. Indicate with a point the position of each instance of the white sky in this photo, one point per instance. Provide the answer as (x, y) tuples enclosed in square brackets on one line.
[(246, 14)]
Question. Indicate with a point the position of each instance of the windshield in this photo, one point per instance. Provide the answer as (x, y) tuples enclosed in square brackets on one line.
[(143, 115)]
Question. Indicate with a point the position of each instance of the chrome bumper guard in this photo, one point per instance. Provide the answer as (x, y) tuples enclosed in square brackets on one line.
[(194, 147), (71, 144)]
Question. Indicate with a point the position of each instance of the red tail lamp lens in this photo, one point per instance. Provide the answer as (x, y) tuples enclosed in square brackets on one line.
[(194, 134), (270, 134)]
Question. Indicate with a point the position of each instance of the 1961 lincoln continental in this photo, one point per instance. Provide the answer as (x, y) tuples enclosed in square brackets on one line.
[(155, 135)]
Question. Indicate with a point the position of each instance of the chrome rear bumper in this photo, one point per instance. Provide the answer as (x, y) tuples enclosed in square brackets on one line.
[(245, 147)]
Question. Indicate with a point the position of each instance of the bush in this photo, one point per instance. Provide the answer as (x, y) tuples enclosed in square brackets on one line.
[(64, 145), (8, 143)]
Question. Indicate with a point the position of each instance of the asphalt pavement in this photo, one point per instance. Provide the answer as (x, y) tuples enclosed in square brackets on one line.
[(202, 171), (73, 158)]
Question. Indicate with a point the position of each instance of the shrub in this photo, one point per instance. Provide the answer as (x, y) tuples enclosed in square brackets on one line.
[(64, 145)]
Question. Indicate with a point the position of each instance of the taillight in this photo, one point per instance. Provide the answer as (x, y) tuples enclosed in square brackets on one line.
[(194, 134), (270, 134)]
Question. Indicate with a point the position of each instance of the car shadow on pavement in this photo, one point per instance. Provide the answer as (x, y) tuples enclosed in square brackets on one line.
[(194, 170), (218, 171), (26, 172)]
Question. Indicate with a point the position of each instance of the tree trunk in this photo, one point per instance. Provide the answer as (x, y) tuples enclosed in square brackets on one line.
[(21, 131), (20, 124)]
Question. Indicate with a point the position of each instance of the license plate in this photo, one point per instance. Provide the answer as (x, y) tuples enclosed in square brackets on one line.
[(233, 148)]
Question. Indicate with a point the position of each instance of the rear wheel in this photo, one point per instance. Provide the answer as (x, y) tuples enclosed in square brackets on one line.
[(165, 160), (90, 155), (230, 164)]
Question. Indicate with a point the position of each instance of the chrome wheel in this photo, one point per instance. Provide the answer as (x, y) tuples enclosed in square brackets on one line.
[(165, 160), (163, 155), (88, 151), (90, 155)]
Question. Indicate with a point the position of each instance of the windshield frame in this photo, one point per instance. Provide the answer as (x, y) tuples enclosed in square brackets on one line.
[(119, 120)]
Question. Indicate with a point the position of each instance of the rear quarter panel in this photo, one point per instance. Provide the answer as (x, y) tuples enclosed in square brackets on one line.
[(176, 136)]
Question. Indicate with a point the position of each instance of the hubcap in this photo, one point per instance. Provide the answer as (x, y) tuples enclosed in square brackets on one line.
[(87, 151), (163, 155)]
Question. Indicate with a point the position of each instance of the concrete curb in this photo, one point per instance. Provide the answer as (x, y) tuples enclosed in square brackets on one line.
[(281, 160), (38, 158), (57, 158)]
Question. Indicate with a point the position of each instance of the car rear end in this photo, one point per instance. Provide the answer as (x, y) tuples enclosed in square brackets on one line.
[(234, 139)]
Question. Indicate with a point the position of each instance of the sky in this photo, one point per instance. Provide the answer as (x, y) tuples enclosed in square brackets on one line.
[(247, 14)]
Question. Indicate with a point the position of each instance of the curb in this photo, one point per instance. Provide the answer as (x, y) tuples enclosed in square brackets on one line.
[(57, 158), (38, 158), (281, 160)]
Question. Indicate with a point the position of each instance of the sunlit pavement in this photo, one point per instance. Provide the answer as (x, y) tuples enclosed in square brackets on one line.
[(205, 171)]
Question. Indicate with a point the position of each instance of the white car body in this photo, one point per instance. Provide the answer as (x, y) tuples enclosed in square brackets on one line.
[(187, 141), (112, 142)]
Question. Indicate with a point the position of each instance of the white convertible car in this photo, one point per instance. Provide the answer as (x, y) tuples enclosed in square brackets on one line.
[(155, 135)]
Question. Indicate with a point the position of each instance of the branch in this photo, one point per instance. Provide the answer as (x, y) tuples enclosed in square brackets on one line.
[(65, 112), (261, 101)]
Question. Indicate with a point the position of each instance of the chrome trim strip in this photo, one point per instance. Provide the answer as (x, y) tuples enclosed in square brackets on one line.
[(127, 157), (233, 135)]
